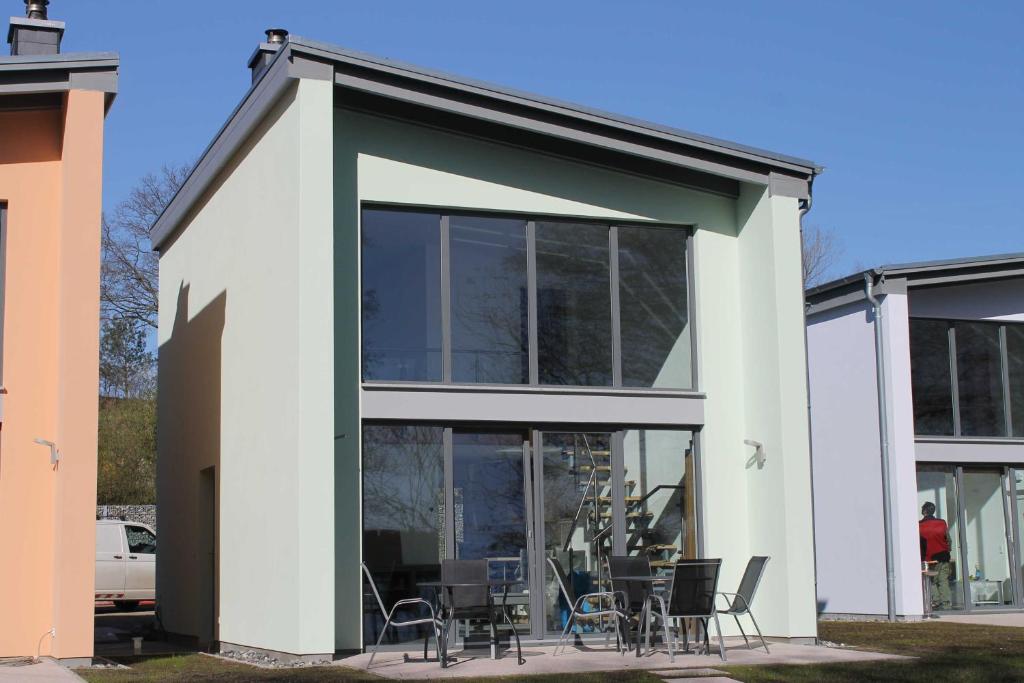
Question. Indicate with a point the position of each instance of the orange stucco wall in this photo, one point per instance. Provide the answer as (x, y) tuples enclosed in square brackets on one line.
[(50, 177)]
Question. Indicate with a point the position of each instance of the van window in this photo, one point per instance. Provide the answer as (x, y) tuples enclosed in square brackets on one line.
[(108, 538), (140, 540)]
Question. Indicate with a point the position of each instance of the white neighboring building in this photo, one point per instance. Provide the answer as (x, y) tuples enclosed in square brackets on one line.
[(952, 354)]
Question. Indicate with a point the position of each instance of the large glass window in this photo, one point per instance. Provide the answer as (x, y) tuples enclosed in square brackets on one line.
[(979, 379), (502, 300), (660, 496), (490, 312), (574, 311), (940, 535), (403, 518), (653, 303), (988, 562), (930, 377), (1015, 361), (401, 298)]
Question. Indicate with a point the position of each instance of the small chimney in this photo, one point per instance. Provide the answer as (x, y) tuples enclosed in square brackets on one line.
[(264, 53), (34, 34)]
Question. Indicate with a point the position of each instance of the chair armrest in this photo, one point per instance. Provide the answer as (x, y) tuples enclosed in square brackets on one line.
[(746, 605)]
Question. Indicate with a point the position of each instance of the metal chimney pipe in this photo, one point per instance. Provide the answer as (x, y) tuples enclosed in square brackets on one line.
[(275, 36), (36, 9)]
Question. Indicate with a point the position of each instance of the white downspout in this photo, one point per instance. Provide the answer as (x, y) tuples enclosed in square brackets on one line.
[(883, 437)]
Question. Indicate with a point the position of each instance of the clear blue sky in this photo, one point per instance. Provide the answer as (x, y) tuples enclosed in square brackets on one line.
[(916, 109)]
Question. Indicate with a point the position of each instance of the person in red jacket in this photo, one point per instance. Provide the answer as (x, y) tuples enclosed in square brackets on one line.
[(935, 548)]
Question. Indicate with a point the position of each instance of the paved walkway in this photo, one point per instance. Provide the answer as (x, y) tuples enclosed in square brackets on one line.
[(991, 619), (43, 672), (539, 660)]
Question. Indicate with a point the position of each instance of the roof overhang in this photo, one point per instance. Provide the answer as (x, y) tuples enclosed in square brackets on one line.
[(33, 76), (901, 277), (393, 89)]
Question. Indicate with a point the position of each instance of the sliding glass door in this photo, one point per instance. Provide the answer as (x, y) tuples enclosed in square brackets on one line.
[(517, 497)]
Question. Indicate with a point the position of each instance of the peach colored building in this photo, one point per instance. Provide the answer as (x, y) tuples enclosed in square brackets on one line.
[(52, 110)]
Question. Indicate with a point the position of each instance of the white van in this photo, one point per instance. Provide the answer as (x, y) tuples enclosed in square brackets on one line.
[(125, 562)]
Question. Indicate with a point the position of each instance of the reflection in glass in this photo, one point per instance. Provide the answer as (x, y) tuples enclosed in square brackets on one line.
[(401, 297), (574, 329), (490, 315), (660, 496), (936, 484), (490, 509), (403, 518), (654, 317), (930, 377), (979, 379), (577, 518), (1015, 358), (988, 562)]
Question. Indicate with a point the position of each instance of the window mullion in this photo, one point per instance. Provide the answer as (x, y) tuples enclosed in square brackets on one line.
[(613, 281), (446, 302), (954, 379), (531, 300), (1004, 361)]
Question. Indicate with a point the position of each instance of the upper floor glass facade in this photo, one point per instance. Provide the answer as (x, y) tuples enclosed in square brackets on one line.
[(484, 299), (967, 378)]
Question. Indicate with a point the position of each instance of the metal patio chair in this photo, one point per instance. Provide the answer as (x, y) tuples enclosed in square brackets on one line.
[(471, 602), (743, 598), (632, 595), (576, 612), (389, 616), (691, 596)]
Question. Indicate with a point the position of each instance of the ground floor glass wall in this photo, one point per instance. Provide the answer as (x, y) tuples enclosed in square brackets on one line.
[(982, 512), (519, 497)]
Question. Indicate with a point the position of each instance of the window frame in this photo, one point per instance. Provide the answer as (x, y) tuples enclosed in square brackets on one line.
[(532, 219), (3, 284), (1008, 422)]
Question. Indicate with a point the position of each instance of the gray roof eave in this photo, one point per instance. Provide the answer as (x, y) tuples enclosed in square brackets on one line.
[(995, 263), (65, 61), (677, 135)]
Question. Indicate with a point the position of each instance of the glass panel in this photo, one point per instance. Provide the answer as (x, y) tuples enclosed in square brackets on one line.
[(140, 540), (979, 379), (574, 320), (660, 496), (939, 531), (1018, 492), (1015, 356), (577, 519), (490, 509), (403, 520), (988, 562), (490, 315), (654, 316), (930, 378), (401, 296)]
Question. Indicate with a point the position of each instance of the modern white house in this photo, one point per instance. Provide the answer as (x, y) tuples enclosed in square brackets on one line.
[(407, 316), (917, 396)]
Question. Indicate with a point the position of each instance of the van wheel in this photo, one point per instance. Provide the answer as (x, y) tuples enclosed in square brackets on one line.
[(126, 605)]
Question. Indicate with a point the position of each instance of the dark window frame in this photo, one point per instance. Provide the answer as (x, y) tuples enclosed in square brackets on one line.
[(1007, 390), (613, 282)]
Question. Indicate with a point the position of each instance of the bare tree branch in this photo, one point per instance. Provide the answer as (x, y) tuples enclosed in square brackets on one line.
[(822, 249), (128, 285)]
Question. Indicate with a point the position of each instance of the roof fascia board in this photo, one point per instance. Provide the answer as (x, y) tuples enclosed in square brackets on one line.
[(242, 121), (59, 73), (852, 291), (965, 278), (525, 123), (802, 166)]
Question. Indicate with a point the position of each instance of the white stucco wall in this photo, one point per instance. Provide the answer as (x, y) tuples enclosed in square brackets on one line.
[(749, 323), (848, 524), (1002, 300), (246, 353)]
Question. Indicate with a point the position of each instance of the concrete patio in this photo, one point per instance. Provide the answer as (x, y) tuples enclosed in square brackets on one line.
[(539, 660)]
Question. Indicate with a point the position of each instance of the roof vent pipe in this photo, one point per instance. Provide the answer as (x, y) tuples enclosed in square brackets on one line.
[(35, 34), (264, 53), (36, 9)]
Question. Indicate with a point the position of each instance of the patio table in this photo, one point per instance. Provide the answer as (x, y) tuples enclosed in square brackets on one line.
[(648, 585), (491, 583)]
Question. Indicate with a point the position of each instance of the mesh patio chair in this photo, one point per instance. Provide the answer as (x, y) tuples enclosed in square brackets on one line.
[(743, 598), (471, 602), (389, 616), (691, 596), (576, 612), (632, 595)]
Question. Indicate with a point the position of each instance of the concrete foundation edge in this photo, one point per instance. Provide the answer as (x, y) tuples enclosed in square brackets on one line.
[(285, 657)]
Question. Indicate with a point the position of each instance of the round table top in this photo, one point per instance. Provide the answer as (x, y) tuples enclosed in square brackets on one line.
[(469, 584), (642, 579)]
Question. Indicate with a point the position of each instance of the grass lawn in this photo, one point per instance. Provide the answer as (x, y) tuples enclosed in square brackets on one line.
[(946, 652)]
